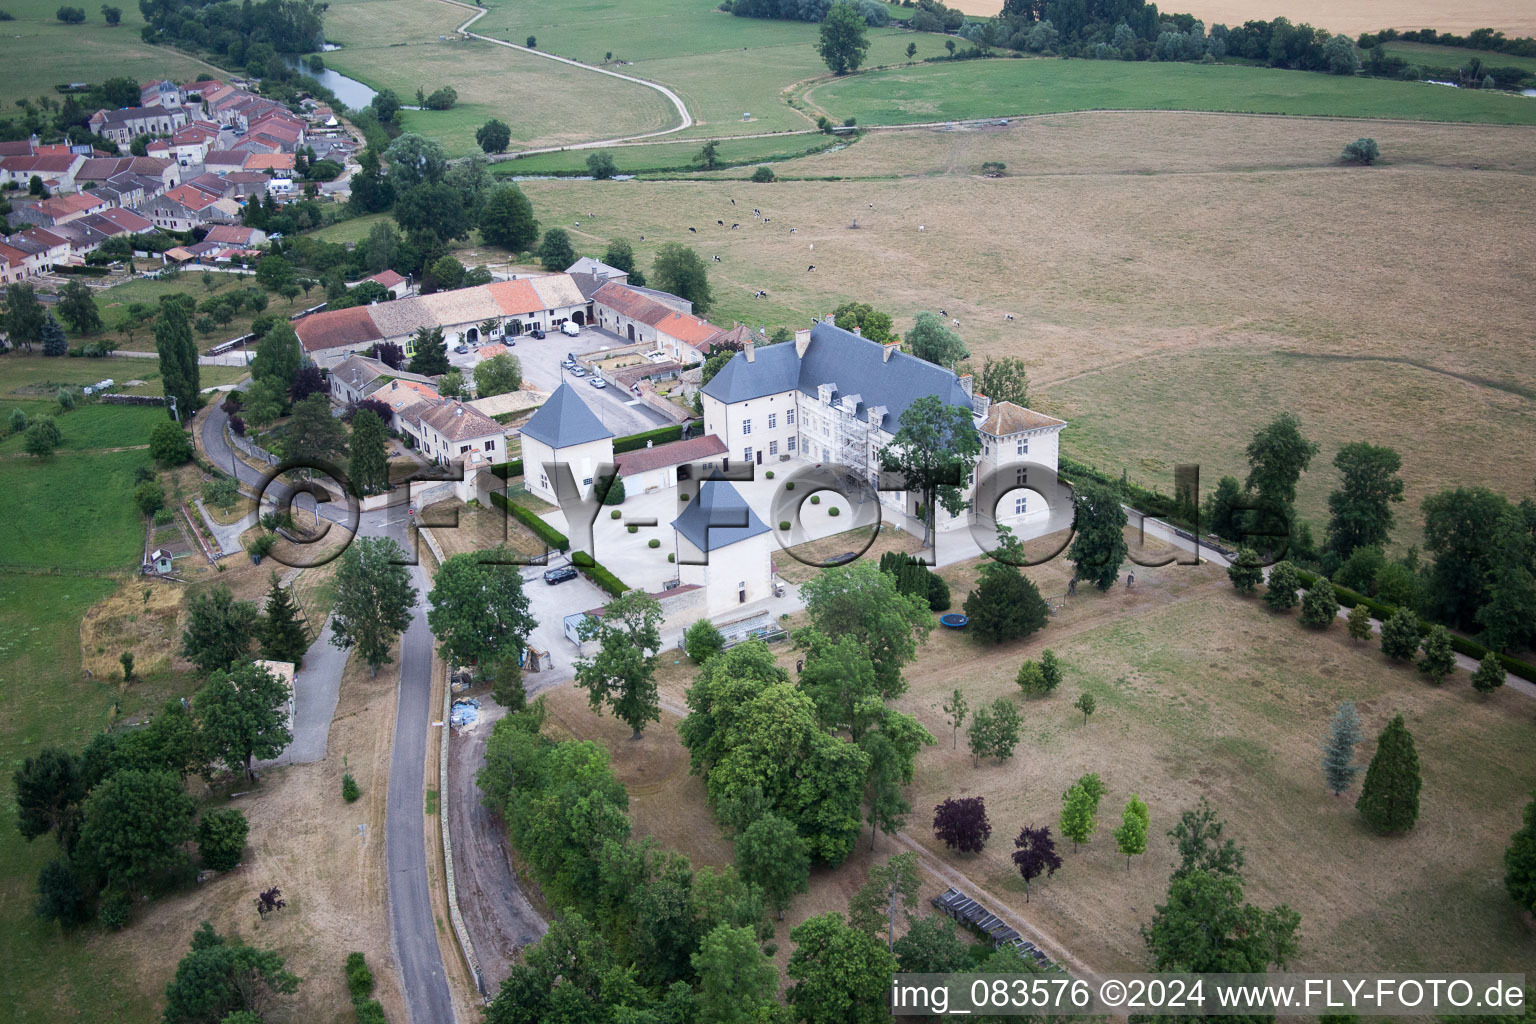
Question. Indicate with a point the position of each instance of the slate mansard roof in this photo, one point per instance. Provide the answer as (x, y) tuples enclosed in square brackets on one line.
[(565, 420), (834, 356), (718, 517)]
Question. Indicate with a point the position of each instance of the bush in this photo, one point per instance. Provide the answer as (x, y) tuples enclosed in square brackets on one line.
[(442, 99), (1400, 635), (784, 524), (221, 838), (350, 792), (116, 909), (70, 15), (149, 496), (1246, 571), (653, 543), (1361, 151), (615, 514), (703, 641), (599, 574), (1280, 595), (763, 174), (359, 977), (832, 511), (170, 445), (1320, 606)]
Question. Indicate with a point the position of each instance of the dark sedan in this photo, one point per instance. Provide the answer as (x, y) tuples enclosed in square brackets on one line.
[(560, 575)]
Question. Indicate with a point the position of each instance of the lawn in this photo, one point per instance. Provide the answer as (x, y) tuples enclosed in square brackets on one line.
[(998, 88), (400, 45), (79, 511), (30, 382), (38, 52), (114, 302), (1158, 267), (1429, 55)]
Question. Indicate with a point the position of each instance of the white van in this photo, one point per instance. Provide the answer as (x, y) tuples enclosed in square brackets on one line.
[(570, 328)]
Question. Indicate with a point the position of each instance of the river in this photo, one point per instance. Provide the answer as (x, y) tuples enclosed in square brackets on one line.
[(350, 91)]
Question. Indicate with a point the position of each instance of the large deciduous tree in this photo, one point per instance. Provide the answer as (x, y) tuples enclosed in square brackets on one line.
[(133, 825), (738, 983), (843, 43), (1360, 510), (859, 601), (1389, 797), (493, 136), (224, 980), (679, 270), (374, 598), (1004, 380), (24, 316), (479, 612), (278, 357), (243, 715), (1197, 839), (933, 451), (1098, 542), (48, 787), (622, 674), (929, 339), (219, 630), (313, 434), (771, 855), (77, 307), (960, 823), (841, 975), (1520, 862), (507, 219), (498, 375), (1206, 926)]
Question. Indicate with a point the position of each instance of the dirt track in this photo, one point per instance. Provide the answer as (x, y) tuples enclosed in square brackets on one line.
[(500, 920)]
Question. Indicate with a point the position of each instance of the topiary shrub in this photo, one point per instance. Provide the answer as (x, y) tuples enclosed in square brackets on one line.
[(769, 474), (671, 557), (784, 525), (834, 510), (683, 496), (632, 529), (815, 499), (615, 493), (349, 790), (615, 514), (789, 486), (653, 543)]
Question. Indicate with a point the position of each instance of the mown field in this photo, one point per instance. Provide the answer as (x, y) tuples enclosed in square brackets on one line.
[(683, 156), (38, 52), (995, 88), (1453, 56), (113, 303), (721, 65), (1159, 267), (399, 45)]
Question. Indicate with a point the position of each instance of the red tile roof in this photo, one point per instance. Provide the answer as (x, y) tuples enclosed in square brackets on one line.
[(642, 460), (387, 278), (628, 302), (337, 328), (516, 297), (229, 234), (686, 328), (191, 197)]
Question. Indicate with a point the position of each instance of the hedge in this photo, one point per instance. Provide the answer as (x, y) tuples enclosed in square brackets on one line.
[(507, 470), (595, 572), (1382, 611), (548, 534), (661, 435)]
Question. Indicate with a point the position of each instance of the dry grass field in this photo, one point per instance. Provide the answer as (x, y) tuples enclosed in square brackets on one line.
[(1173, 277), (1353, 17), (1200, 693)]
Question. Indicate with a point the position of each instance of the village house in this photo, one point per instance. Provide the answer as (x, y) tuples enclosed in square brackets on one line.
[(646, 316), (123, 126), (733, 563), (55, 170), (449, 431), (57, 210), (563, 431)]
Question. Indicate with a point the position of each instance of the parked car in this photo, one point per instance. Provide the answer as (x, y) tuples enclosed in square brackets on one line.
[(570, 329), (559, 575), (578, 372), (462, 349), (598, 383), (536, 333)]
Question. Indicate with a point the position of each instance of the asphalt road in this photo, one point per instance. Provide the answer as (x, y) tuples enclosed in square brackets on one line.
[(412, 925)]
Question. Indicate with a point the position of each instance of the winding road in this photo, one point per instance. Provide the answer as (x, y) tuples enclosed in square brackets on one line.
[(412, 924)]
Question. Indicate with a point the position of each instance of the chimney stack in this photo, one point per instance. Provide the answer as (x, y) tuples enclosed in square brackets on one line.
[(891, 348), (802, 342), (858, 330), (748, 348), (968, 383)]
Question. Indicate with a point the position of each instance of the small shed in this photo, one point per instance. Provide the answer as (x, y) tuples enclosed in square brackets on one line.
[(160, 561)]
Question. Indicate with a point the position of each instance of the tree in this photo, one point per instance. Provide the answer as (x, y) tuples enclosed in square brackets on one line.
[(478, 612), (1246, 571), (313, 434), (1035, 855), (48, 788), (1205, 926), (113, 16), (555, 251), (451, 385), (414, 160), (994, 730), (679, 270), (1004, 380), (738, 983), (1439, 659), (911, 50), (841, 975), (507, 220), (702, 641), (623, 672), (169, 445), (620, 255), (77, 307), (148, 497), (601, 166), (1198, 842), (219, 630), (280, 632), (1520, 862), (871, 323), (708, 157), (1098, 543), (933, 451), (929, 339), (431, 358), (1360, 622), (1280, 595), (960, 823), (1389, 797), (843, 43), (278, 357), (1277, 456), (1462, 528), (763, 174), (368, 466), (24, 316), (224, 980), (1400, 635), (1086, 704), (1489, 675), (178, 360), (1361, 151), (1341, 56), (771, 855), (132, 827), (1360, 511), (374, 598), (493, 136), (1131, 834), (507, 686), (897, 882), (273, 272), (931, 946), (59, 895), (839, 677), (243, 715), (42, 437), (52, 337), (221, 838), (1080, 809), (892, 748), (956, 708), (1320, 606), (857, 600), (498, 375), (1339, 767)]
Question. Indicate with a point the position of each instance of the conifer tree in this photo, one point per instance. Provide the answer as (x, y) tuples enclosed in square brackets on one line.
[(1339, 767), (282, 635), (1389, 799)]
